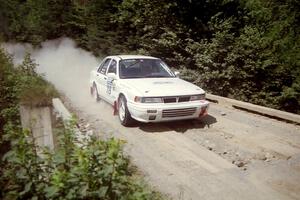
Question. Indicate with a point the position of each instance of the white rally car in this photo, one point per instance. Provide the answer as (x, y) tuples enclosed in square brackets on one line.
[(145, 89)]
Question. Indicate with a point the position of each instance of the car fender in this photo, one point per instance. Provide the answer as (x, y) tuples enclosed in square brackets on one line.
[(128, 92)]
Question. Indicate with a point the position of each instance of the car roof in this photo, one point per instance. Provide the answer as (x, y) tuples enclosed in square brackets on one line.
[(121, 57)]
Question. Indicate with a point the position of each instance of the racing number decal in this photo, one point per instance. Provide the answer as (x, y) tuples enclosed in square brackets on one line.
[(109, 85)]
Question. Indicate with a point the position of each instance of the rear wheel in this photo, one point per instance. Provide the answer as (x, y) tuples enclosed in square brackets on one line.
[(94, 92), (124, 115)]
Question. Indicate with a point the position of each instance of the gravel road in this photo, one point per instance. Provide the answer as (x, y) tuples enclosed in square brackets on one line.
[(230, 154)]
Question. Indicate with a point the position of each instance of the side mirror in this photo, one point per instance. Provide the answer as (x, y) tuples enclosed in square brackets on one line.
[(176, 73), (112, 76)]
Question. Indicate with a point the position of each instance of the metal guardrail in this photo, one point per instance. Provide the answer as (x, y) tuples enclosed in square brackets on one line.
[(254, 108)]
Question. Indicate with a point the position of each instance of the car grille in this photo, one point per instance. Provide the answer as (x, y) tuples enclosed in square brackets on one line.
[(170, 100), (178, 112), (184, 99), (176, 99)]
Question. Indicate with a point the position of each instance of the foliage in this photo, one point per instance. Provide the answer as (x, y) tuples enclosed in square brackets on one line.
[(8, 96), (96, 169), (34, 90), (248, 50), (8, 90), (252, 64)]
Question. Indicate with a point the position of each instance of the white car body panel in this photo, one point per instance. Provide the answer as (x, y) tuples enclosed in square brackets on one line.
[(110, 91), (150, 87)]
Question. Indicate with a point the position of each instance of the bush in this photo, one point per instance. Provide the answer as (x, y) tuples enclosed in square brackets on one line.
[(8, 96), (34, 89), (8, 90), (95, 169)]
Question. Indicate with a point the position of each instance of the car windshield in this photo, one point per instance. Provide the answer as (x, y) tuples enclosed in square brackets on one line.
[(143, 68)]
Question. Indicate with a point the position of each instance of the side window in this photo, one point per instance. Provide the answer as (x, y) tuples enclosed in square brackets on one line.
[(103, 67), (113, 67), (100, 65)]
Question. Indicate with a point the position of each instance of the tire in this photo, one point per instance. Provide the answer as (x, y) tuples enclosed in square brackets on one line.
[(94, 93), (124, 115)]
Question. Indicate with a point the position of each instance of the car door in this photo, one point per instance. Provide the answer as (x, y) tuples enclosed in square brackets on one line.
[(110, 83), (101, 78)]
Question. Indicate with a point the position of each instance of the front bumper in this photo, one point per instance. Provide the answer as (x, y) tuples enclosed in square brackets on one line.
[(144, 112)]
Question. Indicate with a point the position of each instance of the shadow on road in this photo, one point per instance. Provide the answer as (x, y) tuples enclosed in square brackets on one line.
[(178, 126)]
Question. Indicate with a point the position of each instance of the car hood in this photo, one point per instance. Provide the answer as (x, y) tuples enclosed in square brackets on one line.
[(162, 86)]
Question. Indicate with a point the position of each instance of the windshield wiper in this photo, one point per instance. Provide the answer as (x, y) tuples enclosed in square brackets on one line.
[(156, 76), (128, 77)]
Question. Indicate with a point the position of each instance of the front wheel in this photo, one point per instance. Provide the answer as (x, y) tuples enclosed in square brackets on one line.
[(124, 115)]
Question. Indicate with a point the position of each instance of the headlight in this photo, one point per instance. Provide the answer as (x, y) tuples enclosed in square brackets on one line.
[(137, 99), (152, 100), (197, 97), (148, 99)]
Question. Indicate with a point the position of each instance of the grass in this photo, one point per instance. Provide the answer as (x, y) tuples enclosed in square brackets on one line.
[(37, 92)]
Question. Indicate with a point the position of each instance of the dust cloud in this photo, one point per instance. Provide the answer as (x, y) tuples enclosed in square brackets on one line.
[(62, 63)]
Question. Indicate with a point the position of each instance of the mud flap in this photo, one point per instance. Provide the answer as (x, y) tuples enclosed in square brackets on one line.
[(115, 107), (91, 90), (203, 112)]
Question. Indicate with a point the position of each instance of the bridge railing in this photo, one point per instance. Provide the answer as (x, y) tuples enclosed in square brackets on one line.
[(273, 113)]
